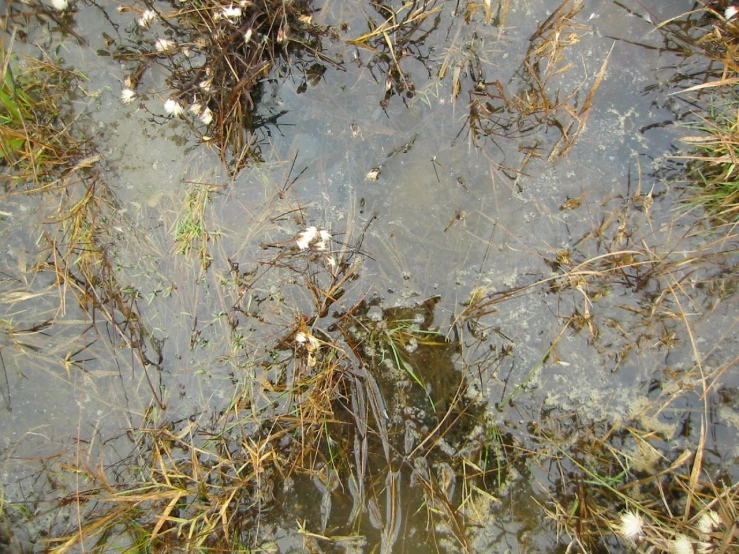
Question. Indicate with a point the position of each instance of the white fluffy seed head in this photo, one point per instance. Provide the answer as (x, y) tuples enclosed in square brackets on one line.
[(307, 340), (681, 545), (631, 526), (306, 236), (164, 45), (60, 5), (330, 263), (207, 116), (173, 107), (373, 174), (314, 238), (146, 18), (231, 12), (709, 522), (128, 95)]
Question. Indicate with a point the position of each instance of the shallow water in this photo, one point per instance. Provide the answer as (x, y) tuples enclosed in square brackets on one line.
[(447, 217)]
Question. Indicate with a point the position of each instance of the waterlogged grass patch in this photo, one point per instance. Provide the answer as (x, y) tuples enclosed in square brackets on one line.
[(16, 108), (712, 155), (715, 155), (35, 143), (218, 56), (191, 233), (609, 500)]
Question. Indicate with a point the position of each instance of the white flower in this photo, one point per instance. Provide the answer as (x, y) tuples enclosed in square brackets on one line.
[(207, 116), (173, 107), (146, 18), (60, 5), (305, 237), (128, 95), (196, 108), (632, 526), (681, 545), (247, 35), (709, 522), (206, 85), (164, 45), (231, 12)]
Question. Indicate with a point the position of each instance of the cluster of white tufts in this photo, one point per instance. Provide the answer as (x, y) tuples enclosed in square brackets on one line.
[(173, 107), (204, 114), (164, 45), (313, 238), (146, 18), (632, 528)]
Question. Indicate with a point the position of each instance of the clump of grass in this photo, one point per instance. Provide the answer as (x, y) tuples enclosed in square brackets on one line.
[(714, 157), (191, 232), (317, 410), (713, 151), (34, 142), (16, 108), (604, 497), (218, 55)]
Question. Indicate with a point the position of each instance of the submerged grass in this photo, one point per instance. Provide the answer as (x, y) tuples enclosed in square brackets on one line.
[(545, 96), (191, 233), (619, 485), (54, 163)]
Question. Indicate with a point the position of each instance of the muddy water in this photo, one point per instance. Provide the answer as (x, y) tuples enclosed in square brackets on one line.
[(448, 215)]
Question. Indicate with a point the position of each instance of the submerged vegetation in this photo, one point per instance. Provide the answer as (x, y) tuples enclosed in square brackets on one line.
[(323, 409), (220, 58)]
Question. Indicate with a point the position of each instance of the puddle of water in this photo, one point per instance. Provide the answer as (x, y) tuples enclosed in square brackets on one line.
[(447, 217)]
